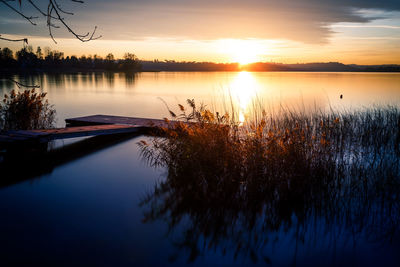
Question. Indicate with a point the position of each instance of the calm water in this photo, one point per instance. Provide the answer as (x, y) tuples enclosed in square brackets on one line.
[(86, 209), (139, 95)]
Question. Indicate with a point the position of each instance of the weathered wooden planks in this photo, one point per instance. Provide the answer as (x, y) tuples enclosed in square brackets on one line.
[(83, 126), (44, 136), (72, 132), (108, 119)]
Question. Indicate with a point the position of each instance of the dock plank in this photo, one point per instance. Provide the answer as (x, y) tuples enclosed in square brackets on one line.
[(109, 119), (81, 131), (47, 135), (84, 126)]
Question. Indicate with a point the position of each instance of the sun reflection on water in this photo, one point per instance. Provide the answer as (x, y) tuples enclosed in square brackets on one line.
[(244, 89)]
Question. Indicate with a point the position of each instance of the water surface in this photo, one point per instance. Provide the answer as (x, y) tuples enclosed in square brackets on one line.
[(140, 94), (89, 210)]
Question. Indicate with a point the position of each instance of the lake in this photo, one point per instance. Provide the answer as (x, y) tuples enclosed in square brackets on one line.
[(140, 95), (91, 210)]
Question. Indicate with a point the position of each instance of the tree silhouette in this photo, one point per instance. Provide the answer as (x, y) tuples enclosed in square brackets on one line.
[(54, 19), (54, 15)]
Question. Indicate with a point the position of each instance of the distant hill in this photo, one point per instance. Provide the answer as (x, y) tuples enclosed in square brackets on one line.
[(171, 65)]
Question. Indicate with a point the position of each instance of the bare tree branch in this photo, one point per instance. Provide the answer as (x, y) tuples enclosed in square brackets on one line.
[(39, 10), (49, 10), (53, 15), (20, 13), (23, 85), (83, 38), (63, 11), (25, 40)]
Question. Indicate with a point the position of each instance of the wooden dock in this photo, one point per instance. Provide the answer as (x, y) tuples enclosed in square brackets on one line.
[(107, 119), (83, 126)]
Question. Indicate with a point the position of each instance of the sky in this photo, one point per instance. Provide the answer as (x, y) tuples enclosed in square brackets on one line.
[(286, 31)]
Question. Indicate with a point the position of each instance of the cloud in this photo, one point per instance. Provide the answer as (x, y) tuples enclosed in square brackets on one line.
[(306, 21), (367, 26)]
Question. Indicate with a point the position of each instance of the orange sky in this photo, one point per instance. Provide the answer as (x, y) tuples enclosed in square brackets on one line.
[(361, 32)]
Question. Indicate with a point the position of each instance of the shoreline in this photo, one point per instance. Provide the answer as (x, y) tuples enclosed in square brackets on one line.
[(74, 71)]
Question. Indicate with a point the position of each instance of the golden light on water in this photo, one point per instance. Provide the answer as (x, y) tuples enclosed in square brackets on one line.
[(244, 89)]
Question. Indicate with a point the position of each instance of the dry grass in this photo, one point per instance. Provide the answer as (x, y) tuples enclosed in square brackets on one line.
[(266, 145), (26, 110), (276, 172)]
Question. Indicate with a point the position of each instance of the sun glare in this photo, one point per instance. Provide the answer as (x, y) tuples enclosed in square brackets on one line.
[(244, 88), (242, 51)]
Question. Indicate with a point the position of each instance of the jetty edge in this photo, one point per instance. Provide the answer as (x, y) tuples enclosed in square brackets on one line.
[(93, 125)]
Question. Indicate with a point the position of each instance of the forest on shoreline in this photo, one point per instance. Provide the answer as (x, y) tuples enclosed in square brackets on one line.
[(46, 60)]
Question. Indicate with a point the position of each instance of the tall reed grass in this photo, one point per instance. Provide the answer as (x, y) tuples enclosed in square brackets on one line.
[(265, 145), (26, 110), (243, 182)]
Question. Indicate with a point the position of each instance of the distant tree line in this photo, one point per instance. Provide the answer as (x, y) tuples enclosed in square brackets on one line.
[(172, 65), (27, 59)]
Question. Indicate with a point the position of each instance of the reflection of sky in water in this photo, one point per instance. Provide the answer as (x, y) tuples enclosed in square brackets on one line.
[(84, 211), (138, 95), (87, 210)]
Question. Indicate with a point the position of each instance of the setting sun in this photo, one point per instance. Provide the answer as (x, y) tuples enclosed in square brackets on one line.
[(242, 51)]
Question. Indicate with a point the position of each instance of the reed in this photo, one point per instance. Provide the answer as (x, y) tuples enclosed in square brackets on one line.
[(26, 110), (240, 183), (265, 145)]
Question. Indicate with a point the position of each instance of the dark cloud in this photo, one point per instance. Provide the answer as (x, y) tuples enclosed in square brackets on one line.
[(299, 20)]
